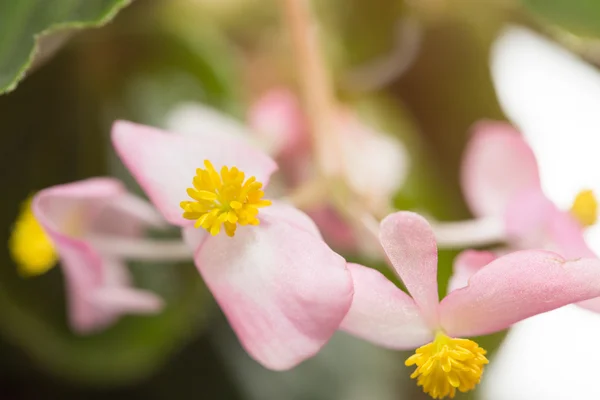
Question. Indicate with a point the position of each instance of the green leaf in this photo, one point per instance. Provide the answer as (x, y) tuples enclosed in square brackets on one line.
[(24, 22), (581, 17)]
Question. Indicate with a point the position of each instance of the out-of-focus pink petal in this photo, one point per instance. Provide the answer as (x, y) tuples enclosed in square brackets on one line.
[(68, 214), (466, 264), (566, 235), (382, 313), (277, 120), (164, 164), (517, 286), (335, 230), (126, 215), (344, 237), (83, 272), (375, 164), (533, 221), (121, 300), (115, 297), (282, 289), (497, 165), (527, 218), (133, 207), (70, 209), (410, 246)]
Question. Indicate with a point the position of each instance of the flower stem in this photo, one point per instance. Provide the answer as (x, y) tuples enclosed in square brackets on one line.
[(468, 233), (142, 249), (315, 82)]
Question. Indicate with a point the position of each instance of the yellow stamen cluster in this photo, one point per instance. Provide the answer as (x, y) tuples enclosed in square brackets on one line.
[(585, 208), (448, 364), (223, 199), (29, 245)]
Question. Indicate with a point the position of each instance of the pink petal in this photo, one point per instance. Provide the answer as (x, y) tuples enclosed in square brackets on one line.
[(410, 246), (130, 208), (335, 230), (533, 221), (466, 264), (592, 304), (497, 165), (382, 313), (121, 300), (517, 286), (283, 211), (102, 305), (59, 207), (68, 213), (164, 164), (277, 119), (194, 237), (83, 271), (282, 289), (527, 217), (567, 236)]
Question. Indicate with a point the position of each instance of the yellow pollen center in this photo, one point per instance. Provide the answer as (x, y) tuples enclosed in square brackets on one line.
[(29, 245), (448, 364), (585, 208), (225, 199)]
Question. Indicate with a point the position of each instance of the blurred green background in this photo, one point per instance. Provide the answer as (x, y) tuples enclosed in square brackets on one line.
[(141, 59)]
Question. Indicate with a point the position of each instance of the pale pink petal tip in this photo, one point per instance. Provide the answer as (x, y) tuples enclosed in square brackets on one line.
[(410, 245), (497, 165)]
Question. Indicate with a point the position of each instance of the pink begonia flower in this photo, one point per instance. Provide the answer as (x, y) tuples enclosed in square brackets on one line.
[(282, 289), (553, 96), (81, 220), (501, 183), (505, 291), (373, 164)]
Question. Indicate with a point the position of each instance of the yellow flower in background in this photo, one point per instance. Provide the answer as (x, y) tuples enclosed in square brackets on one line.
[(29, 246)]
